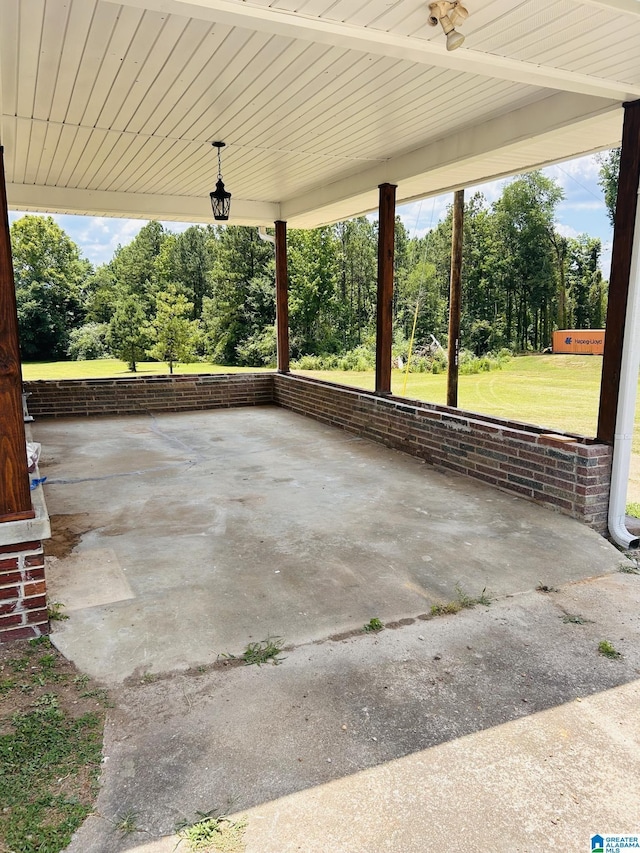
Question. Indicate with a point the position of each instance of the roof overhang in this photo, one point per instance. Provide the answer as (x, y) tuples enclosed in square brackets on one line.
[(110, 108)]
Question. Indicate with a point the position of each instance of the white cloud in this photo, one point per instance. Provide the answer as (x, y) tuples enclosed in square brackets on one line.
[(98, 237), (605, 259), (566, 230), (96, 224), (582, 169), (491, 191), (583, 205)]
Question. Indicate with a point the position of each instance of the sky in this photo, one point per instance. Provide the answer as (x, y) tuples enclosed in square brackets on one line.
[(581, 212)]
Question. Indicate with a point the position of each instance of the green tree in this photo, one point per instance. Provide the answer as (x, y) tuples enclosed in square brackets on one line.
[(134, 266), (525, 216), (127, 337), (427, 283), (88, 342), (100, 294), (242, 303), (49, 277), (483, 278), (401, 266), (356, 259), (608, 180), (422, 288), (598, 301), (260, 350), (186, 259), (561, 247), (313, 312), (171, 331), (584, 278)]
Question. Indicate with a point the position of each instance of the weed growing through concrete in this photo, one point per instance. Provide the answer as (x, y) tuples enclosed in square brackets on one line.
[(575, 620), (464, 599), (484, 598), (215, 833), (461, 602), (54, 611), (444, 609), (543, 587), (127, 823), (608, 650), (626, 569), (266, 650), (373, 625)]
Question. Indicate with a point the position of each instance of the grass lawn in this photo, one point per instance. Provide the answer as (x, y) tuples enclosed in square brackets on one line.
[(556, 391), (105, 368), (51, 724)]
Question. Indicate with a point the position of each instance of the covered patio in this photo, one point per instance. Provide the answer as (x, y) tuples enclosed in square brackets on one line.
[(304, 509), (328, 110), (179, 538)]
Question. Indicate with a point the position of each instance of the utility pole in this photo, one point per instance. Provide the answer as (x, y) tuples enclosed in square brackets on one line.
[(455, 298), (384, 315)]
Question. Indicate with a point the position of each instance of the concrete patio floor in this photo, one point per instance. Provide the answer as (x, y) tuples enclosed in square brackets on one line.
[(500, 723), (183, 537)]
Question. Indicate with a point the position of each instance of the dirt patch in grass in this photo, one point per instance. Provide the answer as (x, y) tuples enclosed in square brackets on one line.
[(51, 728)]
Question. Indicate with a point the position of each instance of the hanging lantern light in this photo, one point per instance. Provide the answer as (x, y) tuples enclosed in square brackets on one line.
[(220, 198)]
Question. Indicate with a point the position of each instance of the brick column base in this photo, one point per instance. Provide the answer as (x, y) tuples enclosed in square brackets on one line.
[(23, 600)]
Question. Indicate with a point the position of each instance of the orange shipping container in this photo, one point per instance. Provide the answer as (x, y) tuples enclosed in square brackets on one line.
[(582, 341)]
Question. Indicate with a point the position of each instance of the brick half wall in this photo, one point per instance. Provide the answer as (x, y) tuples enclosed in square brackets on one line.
[(136, 394), (23, 600), (570, 474)]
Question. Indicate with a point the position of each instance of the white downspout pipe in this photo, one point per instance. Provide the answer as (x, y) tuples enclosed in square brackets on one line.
[(625, 413)]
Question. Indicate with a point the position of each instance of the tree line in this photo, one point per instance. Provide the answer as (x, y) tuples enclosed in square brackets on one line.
[(208, 293)]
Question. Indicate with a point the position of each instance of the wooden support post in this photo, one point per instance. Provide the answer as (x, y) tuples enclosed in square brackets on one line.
[(455, 298), (625, 224), (282, 297), (384, 318), (15, 496)]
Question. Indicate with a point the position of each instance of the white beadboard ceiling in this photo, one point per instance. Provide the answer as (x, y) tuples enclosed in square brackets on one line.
[(109, 108)]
